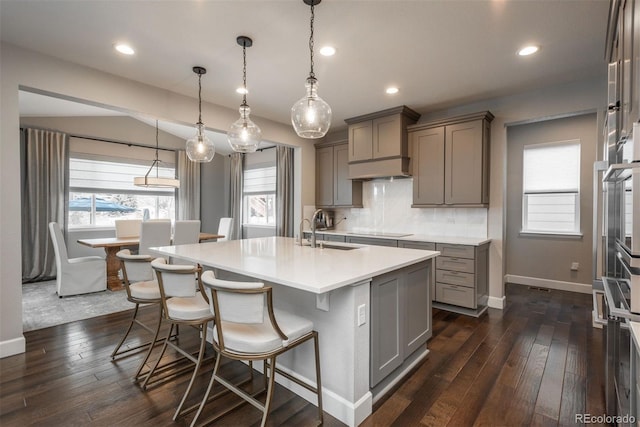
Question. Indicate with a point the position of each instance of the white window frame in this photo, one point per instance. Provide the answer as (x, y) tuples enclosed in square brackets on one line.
[(95, 192), (259, 192), (525, 229)]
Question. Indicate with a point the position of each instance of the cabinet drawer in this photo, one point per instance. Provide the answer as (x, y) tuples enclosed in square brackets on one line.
[(457, 264), (455, 295), (455, 278), (372, 241), (456, 251), (427, 246), (334, 238)]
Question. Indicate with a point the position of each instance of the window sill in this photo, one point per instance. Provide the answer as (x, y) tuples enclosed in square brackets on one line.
[(259, 226), (550, 234)]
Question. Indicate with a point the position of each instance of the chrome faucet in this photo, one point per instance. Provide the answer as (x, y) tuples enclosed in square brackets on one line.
[(313, 227), (301, 230)]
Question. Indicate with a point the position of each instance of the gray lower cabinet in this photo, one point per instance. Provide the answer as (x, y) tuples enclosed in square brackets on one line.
[(426, 246), (462, 275), (334, 238), (400, 317)]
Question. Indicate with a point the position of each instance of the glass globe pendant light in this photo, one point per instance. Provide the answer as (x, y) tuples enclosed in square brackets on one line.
[(244, 136), (311, 115), (199, 147)]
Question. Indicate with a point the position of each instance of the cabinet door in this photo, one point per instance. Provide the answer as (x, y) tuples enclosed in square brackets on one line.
[(342, 185), (386, 327), (387, 136), (427, 155), (324, 176), (463, 163), (417, 313), (635, 78), (360, 141), (628, 83)]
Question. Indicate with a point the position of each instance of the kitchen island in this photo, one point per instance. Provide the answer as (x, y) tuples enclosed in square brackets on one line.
[(370, 305)]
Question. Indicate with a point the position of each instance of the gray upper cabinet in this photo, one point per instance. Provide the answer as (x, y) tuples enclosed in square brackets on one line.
[(333, 186), (378, 144), (450, 161)]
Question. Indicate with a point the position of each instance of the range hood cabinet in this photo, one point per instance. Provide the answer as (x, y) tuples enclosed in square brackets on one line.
[(378, 143)]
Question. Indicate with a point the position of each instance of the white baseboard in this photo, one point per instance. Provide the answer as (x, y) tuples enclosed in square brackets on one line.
[(496, 302), (11, 347), (549, 284)]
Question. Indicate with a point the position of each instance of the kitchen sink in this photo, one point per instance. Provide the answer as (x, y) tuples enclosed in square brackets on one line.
[(339, 247)]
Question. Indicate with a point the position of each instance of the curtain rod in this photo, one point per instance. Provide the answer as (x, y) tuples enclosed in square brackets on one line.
[(112, 141)]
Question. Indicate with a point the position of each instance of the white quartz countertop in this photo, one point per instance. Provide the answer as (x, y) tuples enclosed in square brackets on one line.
[(281, 260), (471, 241)]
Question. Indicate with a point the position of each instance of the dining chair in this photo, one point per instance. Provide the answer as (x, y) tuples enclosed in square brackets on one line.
[(127, 227), (224, 228), (152, 234), (186, 231), (76, 276), (142, 289), (183, 304), (248, 328)]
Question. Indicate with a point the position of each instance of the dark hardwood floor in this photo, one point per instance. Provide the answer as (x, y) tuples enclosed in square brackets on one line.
[(538, 362)]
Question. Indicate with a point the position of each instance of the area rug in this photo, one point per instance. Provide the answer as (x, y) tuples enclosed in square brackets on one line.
[(41, 306)]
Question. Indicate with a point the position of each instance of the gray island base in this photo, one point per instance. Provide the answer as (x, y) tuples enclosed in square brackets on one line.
[(371, 306)]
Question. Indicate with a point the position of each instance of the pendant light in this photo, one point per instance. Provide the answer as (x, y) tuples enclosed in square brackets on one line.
[(311, 116), (155, 181), (199, 147), (244, 136)]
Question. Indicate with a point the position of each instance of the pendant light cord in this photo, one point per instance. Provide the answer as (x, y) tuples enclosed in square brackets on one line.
[(157, 161), (311, 73), (244, 73), (199, 98)]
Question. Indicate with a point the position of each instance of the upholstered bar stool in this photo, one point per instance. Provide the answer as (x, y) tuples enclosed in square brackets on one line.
[(143, 289), (247, 328), (184, 303)]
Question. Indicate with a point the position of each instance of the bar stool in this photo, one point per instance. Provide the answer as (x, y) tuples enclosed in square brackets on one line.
[(183, 304), (143, 289), (244, 330)]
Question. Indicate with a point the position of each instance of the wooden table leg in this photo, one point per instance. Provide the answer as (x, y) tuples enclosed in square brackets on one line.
[(113, 266)]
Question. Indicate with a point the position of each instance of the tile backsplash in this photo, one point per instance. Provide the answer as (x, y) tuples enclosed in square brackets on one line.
[(387, 207)]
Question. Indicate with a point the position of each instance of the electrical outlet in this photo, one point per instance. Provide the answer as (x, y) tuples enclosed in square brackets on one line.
[(362, 314), (575, 266)]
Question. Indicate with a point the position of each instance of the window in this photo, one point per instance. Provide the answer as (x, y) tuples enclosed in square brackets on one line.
[(259, 196), (551, 188), (101, 190)]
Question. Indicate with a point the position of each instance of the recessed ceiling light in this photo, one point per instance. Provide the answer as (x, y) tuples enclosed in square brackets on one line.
[(242, 91), (528, 50), (327, 51), (392, 90), (124, 49)]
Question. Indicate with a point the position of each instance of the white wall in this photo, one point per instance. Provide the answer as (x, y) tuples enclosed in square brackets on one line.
[(23, 68)]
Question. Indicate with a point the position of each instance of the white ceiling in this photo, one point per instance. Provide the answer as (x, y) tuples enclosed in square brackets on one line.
[(440, 53)]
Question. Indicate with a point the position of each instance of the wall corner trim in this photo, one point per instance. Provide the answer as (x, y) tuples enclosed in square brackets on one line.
[(12, 347), (497, 302)]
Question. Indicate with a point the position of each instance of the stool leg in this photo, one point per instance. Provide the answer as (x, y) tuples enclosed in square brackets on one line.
[(267, 403), (318, 377), (203, 342), (209, 388), (164, 348), (126, 334), (151, 345)]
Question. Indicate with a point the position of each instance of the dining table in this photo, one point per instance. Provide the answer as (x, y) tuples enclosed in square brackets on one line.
[(112, 245)]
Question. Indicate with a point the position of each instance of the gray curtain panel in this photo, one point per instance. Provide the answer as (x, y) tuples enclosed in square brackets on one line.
[(284, 191), (236, 182), (189, 191), (45, 184)]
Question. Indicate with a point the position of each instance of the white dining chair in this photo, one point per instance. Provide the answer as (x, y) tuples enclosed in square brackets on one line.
[(248, 328), (186, 232), (76, 276), (127, 228), (224, 228), (152, 234)]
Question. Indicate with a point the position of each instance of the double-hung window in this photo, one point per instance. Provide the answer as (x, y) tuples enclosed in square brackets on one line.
[(259, 196), (101, 186), (551, 188)]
